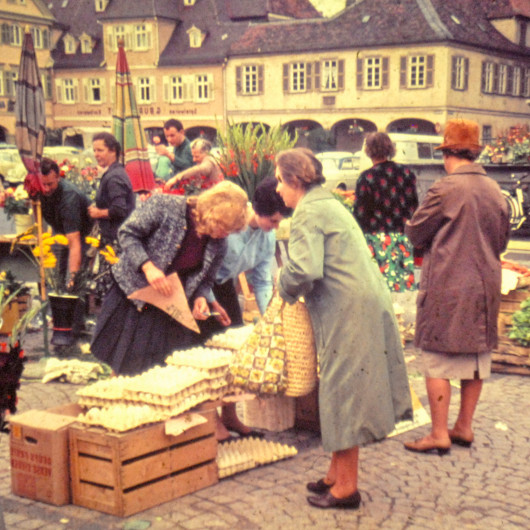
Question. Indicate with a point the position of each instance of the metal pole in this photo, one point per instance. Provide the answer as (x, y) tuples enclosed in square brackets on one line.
[(42, 278)]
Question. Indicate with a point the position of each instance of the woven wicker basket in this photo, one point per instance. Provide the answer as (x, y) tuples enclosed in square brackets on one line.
[(274, 413), (300, 349)]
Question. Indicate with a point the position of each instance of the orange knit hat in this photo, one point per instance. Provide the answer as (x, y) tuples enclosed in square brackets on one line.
[(460, 135)]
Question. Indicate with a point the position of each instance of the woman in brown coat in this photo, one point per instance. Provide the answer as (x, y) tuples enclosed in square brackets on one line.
[(463, 227)]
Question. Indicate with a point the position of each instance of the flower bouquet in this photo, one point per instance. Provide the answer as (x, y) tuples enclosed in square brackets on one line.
[(17, 201)]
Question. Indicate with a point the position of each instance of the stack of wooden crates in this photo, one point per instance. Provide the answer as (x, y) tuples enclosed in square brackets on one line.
[(510, 357)]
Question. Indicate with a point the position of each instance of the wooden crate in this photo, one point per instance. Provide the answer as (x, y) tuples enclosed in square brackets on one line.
[(126, 473), (509, 357)]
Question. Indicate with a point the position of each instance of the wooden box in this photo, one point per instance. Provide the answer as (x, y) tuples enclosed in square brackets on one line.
[(126, 473), (509, 357)]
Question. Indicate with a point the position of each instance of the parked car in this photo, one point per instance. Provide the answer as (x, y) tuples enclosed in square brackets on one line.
[(341, 169), (411, 149), (9, 159)]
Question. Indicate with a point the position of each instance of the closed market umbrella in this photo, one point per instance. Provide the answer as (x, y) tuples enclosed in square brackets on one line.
[(127, 129), (30, 135)]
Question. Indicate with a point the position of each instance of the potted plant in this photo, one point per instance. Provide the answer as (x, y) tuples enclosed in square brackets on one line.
[(18, 304), (17, 204)]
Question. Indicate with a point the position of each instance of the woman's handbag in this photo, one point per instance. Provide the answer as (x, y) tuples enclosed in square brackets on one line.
[(279, 356)]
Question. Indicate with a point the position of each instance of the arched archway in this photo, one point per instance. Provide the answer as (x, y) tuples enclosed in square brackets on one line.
[(201, 131), (246, 124), (306, 129), (3, 134), (412, 126), (349, 134)]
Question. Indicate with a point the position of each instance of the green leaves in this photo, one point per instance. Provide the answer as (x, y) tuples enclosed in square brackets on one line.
[(520, 331), (247, 153)]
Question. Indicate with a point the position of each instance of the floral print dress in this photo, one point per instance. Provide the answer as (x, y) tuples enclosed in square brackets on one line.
[(385, 197)]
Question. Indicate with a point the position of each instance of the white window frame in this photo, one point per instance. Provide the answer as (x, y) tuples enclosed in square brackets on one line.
[(101, 5), (502, 82), (297, 77), (195, 37), (329, 75), (16, 35), (460, 73), (516, 81), (36, 33), (489, 77), (177, 87), (69, 91), (417, 71), (141, 37), (373, 73), (250, 79), (145, 90), (119, 32), (70, 45), (202, 88), (95, 85), (10, 82), (86, 45)]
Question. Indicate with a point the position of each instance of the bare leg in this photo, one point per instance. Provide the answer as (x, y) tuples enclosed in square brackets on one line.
[(439, 393), (231, 421), (344, 465), (221, 432), (470, 390)]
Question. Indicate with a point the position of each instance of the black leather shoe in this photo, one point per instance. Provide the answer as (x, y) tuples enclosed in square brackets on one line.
[(318, 487), (329, 501)]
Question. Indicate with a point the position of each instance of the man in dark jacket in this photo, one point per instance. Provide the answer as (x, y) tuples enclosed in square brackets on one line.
[(179, 150)]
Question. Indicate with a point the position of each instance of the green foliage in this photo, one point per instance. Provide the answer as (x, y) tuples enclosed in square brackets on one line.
[(520, 331), (247, 153)]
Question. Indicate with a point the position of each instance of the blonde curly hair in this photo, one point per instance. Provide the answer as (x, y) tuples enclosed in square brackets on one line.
[(222, 206)]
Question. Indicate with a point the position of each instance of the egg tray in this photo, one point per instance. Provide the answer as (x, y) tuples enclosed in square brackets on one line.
[(231, 339), (246, 453), (163, 381), (206, 359), (106, 389)]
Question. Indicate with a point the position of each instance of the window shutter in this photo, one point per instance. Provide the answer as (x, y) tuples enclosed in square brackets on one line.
[(152, 89), (466, 72), (495, 78), (429, 78), (43, 83), (45, 38), (111, 41), (113, 90), (1, 83), (103, 90), (308, 77), (359, 73), (341, 74), (86, 95), (483, 78), (260, 79), (384, 73), (454, 59), (149, 29), (165, 89), (286, 77), (316, 71), (403, 72), (59, 90), (129, 38), (239, 86), (210, 88), (76, 90)]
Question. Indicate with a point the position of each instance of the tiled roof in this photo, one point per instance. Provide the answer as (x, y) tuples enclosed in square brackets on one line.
[(508, 8), (222, 28), (138, 9), (381, 23), (294, 8), (78, 17)]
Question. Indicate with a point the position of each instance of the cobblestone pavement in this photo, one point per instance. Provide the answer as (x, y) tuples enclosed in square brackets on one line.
[(484, 487)]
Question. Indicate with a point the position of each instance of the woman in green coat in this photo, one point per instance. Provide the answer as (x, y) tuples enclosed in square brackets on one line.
[(363, 381)]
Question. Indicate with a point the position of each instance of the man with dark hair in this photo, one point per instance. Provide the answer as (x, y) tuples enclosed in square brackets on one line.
[(179, 150), (250, 251), (64, 208)]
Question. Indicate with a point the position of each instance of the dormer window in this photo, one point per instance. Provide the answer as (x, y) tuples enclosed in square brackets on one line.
[(70, 44), (188, 3), (101, 5), (86, 43), (196, 37)]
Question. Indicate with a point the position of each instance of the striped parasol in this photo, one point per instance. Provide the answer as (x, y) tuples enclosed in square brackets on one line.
[(30, 114), (30, 135), (127, 129)]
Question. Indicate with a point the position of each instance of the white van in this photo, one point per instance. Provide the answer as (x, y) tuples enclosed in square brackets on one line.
[(411, 149)]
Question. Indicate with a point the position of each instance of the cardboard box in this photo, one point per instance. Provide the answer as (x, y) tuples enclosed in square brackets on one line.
[(126, 473), (39, 453)]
